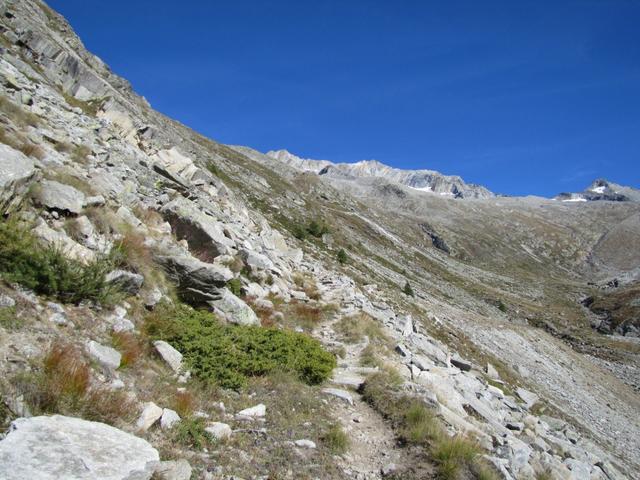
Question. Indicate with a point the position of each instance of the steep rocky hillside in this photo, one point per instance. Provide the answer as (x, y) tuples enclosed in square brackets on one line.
[(172, 307)]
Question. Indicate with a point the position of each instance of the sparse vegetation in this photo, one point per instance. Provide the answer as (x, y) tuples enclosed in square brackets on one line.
[(301, 231), (228, 354), (79, 153), (19, 116), (354, 328), (407, 290), (213, 168), (10, 320), (63, 385), (336, 440), (417, 425), (48, 271), (342, 257)]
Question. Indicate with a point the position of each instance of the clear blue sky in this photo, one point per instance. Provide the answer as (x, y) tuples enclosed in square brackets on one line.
[(521, 96)]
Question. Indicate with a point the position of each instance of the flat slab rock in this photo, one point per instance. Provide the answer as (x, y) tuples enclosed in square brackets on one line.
[(59, 447)]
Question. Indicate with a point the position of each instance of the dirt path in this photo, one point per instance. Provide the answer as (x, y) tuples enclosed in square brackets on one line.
[(373, 446)]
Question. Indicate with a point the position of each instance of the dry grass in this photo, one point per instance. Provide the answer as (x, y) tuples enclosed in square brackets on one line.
[(184, 403), (19, 142), (63, 385), (130, 346), (264, 312), (71, 179), (307, 284), (355, 328), (32, 150), (79, 153), (17, 114)]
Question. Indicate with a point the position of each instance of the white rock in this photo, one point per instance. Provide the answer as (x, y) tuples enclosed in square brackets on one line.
[(123, 325), (218, 430), (173, 470), (169, 418), (305, 443), (341, 394), (108, 357), (58, 447), (60, 197), (150, 415), (528, 397), (256, 411), (169, 354)]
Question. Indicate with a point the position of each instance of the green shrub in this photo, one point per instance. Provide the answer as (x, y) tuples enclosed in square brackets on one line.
[(235, 286), (342, 256), (213, 168), (47, 271), (228, 354), (407, 290), (190, 432), (317, 229)]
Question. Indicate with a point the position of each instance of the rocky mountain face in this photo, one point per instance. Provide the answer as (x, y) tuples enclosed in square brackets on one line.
[(172, 307), (421, 180), (602, 190)]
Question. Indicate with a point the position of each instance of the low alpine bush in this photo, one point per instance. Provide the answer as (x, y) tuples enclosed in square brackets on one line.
[(228, 354), (48, 271)]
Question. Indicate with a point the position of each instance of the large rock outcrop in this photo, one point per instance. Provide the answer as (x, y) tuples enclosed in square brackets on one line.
[(58, 447), (16, 171)]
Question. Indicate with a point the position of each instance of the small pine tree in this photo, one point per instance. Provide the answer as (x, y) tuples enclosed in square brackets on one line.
[(407, 290), (342, 256)]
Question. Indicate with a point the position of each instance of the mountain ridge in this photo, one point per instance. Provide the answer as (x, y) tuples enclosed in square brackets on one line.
[(423, 179)]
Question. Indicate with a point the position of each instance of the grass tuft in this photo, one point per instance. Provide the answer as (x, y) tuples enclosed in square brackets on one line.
[(336, 440)]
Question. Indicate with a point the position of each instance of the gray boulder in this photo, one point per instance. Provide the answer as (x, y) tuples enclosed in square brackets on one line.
[(127, 281), (173, 470), (528, 397), (198, 282), (219, 430), (108, 357), (57, 447), (16, 171), (170, 355), (233, 310), (59, 197), (203, 233), (256, 261)]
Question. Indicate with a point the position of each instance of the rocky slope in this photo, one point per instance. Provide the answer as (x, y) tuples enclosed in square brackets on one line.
[(491, 338), (422, 180)]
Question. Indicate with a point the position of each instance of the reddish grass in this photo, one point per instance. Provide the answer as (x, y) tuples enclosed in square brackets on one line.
[(130, 346)]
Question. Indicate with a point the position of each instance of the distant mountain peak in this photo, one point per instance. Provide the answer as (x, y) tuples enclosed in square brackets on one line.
[(602, 190), (421, 180)]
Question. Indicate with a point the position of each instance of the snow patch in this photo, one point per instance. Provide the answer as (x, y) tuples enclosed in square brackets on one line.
[(423, 189), (599, 189)]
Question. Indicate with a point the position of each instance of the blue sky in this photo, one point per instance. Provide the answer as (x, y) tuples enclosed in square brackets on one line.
[(523, 97)]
